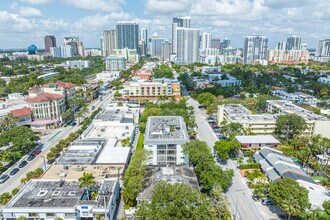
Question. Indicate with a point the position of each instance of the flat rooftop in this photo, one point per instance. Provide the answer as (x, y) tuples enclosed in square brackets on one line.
[(166, 130), (74, 172), (84, 151), (257, 139), (288, 107), (57, 194), (155, 175)]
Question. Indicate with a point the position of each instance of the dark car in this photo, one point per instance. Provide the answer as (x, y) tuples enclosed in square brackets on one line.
[(93, 107), (222, 137), (14, 171), (51, 161), (267, 201), (31, 157), (22, 164), (36, 152), (4, 178), (57, 156), (73, 123)]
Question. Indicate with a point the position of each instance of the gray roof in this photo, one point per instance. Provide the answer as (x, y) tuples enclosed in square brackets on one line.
[(56, 194), (276, 164), (166, 130)]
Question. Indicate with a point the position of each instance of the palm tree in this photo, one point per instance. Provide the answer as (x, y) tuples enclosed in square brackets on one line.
[(9, 121), (87, 181)]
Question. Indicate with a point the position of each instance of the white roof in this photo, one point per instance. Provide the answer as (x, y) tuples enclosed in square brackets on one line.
[(317, 194), (257, 139), (112, 154)]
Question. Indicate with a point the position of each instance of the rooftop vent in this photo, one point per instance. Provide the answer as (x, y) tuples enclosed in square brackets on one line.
[(56, 193), (72, 193), (42, 193)]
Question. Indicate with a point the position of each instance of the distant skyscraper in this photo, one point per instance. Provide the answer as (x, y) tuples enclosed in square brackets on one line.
[(224, 45), (50, 41), (206, 40), (32, 49), (281, 46), (166, 50), (255, 49), (187, 45), (155, 47), (109, 42), (323, 48), (127, 35), (143, 35), (76, 44), (293, 43), (215, 43), (178, 22)]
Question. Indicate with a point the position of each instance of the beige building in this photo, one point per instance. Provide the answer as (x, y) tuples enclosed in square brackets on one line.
[(266, 123), (46, 110), (152, 90)]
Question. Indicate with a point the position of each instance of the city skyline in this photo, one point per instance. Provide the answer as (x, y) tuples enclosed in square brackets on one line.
[(26, 22)]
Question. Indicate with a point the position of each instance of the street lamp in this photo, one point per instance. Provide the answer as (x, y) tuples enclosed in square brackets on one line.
[(45, 166)]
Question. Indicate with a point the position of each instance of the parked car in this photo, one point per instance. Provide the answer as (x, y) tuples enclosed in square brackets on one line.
[(14, 171), (36, 152), (3, 178), (57, 156), (31, 157), (74, 123), (22, 164), (93, 107), (51, 161), (222, 137), (267, 201)]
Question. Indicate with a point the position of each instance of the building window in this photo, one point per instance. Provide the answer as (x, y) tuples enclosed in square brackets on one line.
[(50, 214)]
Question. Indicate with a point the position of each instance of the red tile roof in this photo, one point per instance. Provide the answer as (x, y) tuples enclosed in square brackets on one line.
[(34, 89), (65, 85), (45, 97), (21, 112)]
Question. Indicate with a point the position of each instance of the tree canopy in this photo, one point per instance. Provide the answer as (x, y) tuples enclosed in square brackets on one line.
[(175, 201), (290, 196), (289, 125), (209, 174), (225, 148), (206, 99)]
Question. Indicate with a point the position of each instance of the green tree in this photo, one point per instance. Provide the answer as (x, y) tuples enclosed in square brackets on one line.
[(211, 109), (126, 141), (206, 99), (220, 203), (177, 201), (233, 129), (9, 121), (23, 218), (14, 191), (226, 148), (290, 196), (87, 181), (289, 125)]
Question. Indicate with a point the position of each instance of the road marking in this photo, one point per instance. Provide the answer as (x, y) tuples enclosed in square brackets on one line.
[(240, 202), (54, 135)]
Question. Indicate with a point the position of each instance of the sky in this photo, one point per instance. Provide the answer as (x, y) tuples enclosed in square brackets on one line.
[(25, 22)]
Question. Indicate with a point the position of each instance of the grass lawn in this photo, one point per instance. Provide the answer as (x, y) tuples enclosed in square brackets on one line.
[(319, 178)]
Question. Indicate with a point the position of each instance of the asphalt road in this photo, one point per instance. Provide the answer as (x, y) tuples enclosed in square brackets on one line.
[(241, 203), (49, 140)]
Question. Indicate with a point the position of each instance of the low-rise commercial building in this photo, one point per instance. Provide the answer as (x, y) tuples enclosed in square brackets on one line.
[(48, 199), (47, 109), (255, 142), (107, 76), (152, 90), (24, 116), (164, 137)]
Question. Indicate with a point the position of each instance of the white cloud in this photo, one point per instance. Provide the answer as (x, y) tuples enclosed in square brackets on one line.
[(221, 7), (30, 12), (37, 2), (102, 5), (168, 6)]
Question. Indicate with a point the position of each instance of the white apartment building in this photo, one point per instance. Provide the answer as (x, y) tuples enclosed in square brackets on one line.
[(115, 63), (296, 97), (325, 80), (164, 138), (266, 123), (187, 46)]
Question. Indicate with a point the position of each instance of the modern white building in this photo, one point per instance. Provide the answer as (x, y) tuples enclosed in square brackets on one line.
[(164, 138), (48, 199), (155, 46), (187, 46), (131, 55), (296, 97), (115, 63), (323, 50), (255, 49), (178, 22), (166, 51), (293, 43), (107, 76), (73, 64), (206, 40)]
